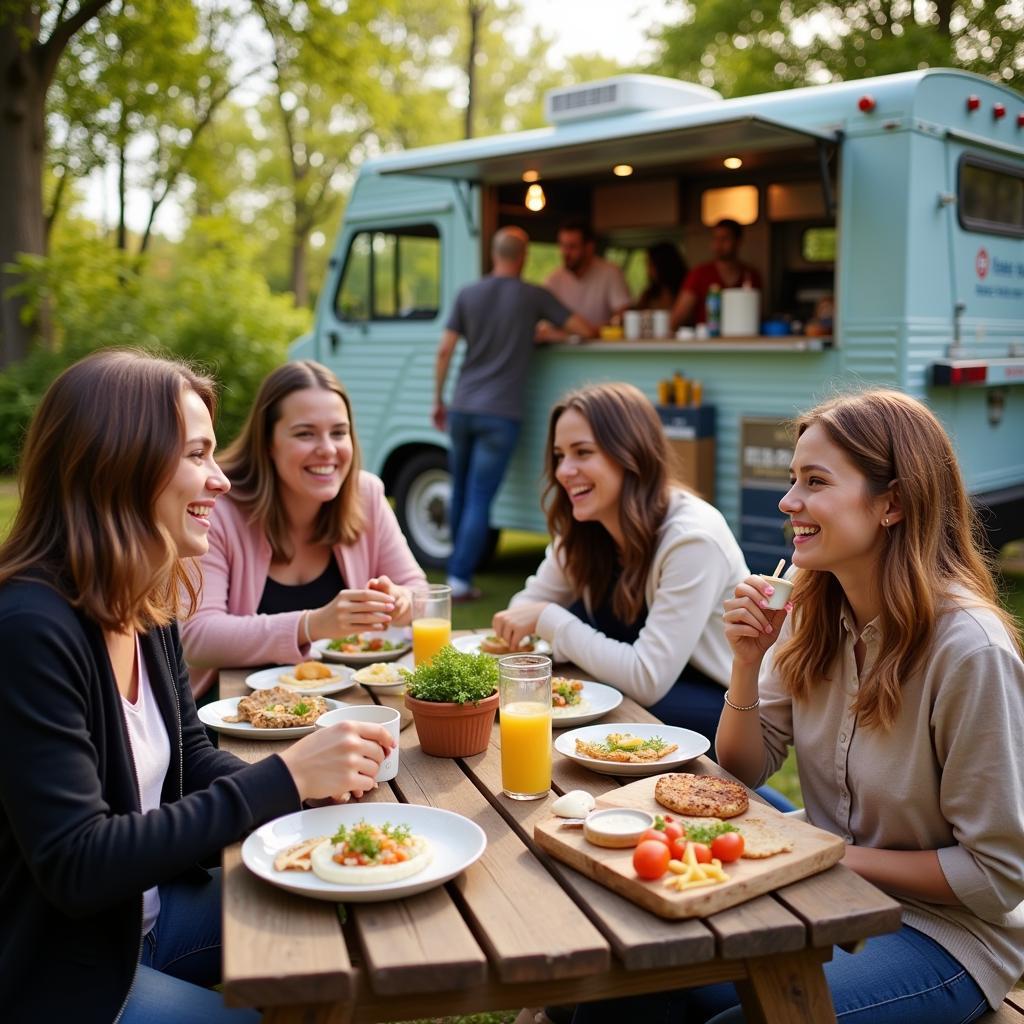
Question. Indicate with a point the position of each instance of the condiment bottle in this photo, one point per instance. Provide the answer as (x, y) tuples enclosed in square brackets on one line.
[(696, 392), (665, 392), (680, 388), (713, 311)]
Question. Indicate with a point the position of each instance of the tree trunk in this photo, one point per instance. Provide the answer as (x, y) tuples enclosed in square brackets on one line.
[(22, 135), (300, 284), (122, 187), (476, 10)]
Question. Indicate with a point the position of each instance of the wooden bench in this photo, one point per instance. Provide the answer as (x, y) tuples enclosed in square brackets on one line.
[(1011, 1012)]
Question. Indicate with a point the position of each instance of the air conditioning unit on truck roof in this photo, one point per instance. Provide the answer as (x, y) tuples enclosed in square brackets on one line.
[(623, 94)]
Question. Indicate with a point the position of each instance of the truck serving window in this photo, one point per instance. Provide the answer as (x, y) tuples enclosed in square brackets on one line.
[(392, 274), (990, 196)]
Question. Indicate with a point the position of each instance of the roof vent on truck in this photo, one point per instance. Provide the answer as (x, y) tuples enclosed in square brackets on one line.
[(623, 94)]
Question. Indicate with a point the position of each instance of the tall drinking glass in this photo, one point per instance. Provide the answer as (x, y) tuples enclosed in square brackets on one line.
[(524, 687), (431, 621)]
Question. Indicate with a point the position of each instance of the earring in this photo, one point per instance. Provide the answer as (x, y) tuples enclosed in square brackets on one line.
[(885, 521)]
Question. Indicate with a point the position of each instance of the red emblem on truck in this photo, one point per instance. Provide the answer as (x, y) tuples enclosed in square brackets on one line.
[(981, 263)]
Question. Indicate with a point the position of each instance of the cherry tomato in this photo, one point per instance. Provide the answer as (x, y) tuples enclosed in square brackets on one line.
[(701, 852), (674, 830), (727, 847), (650, 859), (654, 834), (678, 848)]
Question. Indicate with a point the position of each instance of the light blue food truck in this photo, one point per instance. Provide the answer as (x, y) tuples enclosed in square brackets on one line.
[(896, 201)]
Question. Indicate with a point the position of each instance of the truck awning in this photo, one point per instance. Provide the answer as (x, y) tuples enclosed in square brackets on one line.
[(567, 151)]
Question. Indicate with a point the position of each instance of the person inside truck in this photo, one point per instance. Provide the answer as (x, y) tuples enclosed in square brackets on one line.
[(306, 546), (725, 269), (498, 317), (585, 283), (896, 676), (632, 585), (666, 270)]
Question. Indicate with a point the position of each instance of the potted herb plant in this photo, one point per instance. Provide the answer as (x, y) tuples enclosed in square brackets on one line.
[(453, 701)]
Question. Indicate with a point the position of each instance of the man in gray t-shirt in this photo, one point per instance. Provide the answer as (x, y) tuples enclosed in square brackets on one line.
[(498, 317)]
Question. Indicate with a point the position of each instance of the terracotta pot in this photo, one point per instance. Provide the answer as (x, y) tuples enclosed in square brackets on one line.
[(453, 730)]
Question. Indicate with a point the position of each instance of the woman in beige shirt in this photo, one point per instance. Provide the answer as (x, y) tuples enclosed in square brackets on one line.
[(898, 680)]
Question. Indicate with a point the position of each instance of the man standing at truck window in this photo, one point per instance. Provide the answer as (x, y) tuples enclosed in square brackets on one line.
[(498, 317), (586, 283), (725, 270)]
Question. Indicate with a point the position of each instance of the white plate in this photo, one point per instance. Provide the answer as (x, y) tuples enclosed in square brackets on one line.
[(396, 634), (214, 714), (599, 698), (457, 843), (691, 744), (471, 645), (268, 678), (372, 687)]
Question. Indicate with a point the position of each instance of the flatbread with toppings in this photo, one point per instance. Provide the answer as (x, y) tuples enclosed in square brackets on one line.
[(298, 857), (622, 748), (368, 854), (701, 795), (277, 708), (760, 839), (309, 674)]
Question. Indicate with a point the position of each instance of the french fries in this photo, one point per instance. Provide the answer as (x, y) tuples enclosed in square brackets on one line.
[(688, 874)]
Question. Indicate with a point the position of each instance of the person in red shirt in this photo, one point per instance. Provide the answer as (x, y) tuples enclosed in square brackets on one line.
[(726, 270)]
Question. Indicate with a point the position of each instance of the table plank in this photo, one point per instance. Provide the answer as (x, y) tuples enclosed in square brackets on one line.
[(532, 931)]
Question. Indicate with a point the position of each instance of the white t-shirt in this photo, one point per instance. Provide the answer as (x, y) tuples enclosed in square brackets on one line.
[(151, 751), (596, 296)]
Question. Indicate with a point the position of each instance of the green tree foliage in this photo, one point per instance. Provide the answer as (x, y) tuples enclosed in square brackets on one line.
[(757, 46), (209, 303)]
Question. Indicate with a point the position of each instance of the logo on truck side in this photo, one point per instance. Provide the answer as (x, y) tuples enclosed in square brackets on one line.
[(981, 263)]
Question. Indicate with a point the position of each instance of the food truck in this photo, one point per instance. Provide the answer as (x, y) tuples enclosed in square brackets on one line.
[(884, 216)]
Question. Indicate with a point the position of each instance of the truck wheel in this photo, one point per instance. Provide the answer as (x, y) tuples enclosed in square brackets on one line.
[(423, 490)]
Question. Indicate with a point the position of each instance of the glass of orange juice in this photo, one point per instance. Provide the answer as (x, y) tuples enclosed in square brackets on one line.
[(431, 621), (524, 694)]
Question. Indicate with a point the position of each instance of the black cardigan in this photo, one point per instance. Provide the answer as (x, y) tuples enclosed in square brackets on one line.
[(76, 854)]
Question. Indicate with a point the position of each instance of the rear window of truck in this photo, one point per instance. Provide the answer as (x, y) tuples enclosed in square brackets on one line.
[(990, 196), (391, 274)]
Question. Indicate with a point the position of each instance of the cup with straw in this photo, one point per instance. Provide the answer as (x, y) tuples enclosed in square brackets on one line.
[(783, 588)]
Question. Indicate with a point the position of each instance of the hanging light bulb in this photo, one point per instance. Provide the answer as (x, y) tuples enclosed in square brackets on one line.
[(535, 198)]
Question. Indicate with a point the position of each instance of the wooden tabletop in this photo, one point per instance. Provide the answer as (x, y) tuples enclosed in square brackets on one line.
[(519, 928)]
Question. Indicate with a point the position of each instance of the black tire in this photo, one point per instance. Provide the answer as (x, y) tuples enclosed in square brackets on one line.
[(422, 493)]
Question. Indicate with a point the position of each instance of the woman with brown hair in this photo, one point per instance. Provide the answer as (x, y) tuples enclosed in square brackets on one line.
[(898, 680), (306, 547), (631, 588), (111, 795)]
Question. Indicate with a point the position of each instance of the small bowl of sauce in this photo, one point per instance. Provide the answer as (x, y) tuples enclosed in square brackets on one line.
[(617, 827)]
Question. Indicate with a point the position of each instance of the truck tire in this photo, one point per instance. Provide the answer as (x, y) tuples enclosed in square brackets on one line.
[(422, 492)]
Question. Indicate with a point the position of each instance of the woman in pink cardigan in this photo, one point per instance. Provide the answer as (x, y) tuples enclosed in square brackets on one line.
[(305, 546)]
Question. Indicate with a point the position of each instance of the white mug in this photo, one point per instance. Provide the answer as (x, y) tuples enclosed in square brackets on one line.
[(633, 324), (388, 717)]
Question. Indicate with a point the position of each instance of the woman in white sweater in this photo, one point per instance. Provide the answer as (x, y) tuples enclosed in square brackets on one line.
[(632, 586)]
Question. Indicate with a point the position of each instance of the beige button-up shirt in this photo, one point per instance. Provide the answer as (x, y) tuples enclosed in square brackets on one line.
[(948, 776)]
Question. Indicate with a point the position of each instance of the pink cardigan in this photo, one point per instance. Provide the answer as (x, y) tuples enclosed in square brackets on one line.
[(225, 631)]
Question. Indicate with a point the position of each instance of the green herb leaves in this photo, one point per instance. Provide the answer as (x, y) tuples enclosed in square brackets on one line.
[(454, 677)]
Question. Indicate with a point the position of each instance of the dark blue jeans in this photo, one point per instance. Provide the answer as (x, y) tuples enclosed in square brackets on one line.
[(181, 959), (902, 978), (481, 447)]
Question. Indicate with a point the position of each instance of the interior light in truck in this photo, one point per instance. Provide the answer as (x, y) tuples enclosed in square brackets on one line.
[(531, 176), (622, 170), (734, 163), (535, 198)]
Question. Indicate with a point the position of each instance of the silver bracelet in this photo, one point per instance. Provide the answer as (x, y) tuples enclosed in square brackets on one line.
[(741, 707), (305, 628)]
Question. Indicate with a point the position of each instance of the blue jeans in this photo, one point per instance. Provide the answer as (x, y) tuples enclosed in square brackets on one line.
[(902, 978), (181, 959), (481, 447)]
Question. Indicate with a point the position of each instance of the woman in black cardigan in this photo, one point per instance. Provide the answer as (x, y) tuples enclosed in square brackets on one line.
[(111, 794)]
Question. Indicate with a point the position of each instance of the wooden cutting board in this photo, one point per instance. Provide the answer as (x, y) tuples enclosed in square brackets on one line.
[(813, 850)]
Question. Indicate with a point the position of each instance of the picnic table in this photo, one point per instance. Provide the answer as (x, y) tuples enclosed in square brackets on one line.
[(519, 929)]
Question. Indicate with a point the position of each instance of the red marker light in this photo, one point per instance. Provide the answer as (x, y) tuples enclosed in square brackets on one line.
[(973, 102), (1020, 120), (866, 104), (998, 111)]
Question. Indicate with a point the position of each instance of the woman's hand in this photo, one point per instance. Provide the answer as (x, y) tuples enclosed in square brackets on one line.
[(515, 624), (750, 626), (402, 596), (337, 761), (352, 611)]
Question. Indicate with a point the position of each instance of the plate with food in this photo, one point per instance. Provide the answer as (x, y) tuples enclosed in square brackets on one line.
[(480, 643), (578, 701), (308, 677), (382, 677), (365, 648), (363, 854), (275, 714), (631, 748)]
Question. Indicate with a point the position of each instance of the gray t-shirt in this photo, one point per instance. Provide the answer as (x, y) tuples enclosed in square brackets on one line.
[(498, 317)]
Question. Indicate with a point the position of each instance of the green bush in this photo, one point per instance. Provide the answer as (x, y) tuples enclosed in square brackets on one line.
[(454, 676), (207, 302)]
